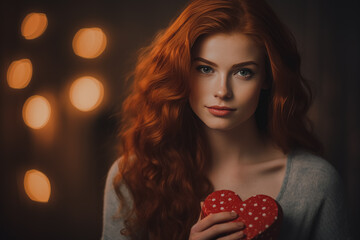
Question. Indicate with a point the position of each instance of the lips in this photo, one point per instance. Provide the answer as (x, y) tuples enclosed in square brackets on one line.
[(222, 108), (220, 111)]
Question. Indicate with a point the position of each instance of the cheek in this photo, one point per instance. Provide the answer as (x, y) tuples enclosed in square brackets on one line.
[(197, 92), (193, 94), (249, 98), (192, 100)]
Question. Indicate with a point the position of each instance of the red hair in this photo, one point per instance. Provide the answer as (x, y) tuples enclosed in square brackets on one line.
[(165, 162)]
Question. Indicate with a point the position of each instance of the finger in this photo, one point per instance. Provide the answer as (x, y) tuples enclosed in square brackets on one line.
[(201, 206), (234, 236), (212, 219), (223, 230)]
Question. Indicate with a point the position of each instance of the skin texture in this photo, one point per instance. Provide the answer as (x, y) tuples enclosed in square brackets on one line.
[(227, 70), (159, 129), (216, 225)]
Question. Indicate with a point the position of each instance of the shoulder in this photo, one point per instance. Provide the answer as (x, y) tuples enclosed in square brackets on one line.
[(318, 187), (111, 175), (313, 171), (112, 217), (110, 198), (310, 164), (113, 170)]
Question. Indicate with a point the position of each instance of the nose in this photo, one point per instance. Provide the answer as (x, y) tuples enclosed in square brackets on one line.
[(223, 89)]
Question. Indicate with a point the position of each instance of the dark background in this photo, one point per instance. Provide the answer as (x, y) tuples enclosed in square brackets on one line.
[(77, 150)]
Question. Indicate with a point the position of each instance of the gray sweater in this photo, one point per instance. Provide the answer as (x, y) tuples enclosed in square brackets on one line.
[(312, 198)]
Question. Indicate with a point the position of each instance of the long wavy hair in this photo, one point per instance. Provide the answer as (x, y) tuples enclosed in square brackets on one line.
[(165, 160)]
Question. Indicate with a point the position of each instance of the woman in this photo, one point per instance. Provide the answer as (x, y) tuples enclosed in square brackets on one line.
[(218, 102)]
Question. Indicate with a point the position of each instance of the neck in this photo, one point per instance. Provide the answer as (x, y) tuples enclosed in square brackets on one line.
[(240, 145)]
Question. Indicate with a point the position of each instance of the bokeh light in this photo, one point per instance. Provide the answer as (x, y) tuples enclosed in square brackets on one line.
[(89, 42), (86, 93), (36, 112), (33, 25), (37, 186), (19, 73)]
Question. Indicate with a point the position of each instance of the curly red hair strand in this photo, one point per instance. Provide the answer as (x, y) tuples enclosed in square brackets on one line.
[(165, 160)]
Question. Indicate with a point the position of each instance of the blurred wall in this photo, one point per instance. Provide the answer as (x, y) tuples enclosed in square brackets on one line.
[(328, 36), (76, 151)]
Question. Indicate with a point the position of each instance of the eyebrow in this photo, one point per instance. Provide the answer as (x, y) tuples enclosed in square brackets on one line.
[(242, 64)]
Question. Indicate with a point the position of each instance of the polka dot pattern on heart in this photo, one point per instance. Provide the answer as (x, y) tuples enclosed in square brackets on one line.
[(261, 214)]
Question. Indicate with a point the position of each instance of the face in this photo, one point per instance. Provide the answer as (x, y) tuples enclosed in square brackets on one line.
[(227, 75)]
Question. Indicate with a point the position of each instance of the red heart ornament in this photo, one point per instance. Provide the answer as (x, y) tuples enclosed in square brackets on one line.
[(261, 214)]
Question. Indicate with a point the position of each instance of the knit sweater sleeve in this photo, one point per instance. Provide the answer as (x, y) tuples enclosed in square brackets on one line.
[(332, 217), (313, 200), (112, 223)]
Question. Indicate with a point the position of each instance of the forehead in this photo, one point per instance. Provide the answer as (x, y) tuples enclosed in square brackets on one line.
[(229, 47)]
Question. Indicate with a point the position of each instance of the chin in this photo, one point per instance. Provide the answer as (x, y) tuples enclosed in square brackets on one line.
[(220, 126)]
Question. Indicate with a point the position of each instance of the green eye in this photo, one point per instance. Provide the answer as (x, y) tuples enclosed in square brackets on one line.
[(204, 69)]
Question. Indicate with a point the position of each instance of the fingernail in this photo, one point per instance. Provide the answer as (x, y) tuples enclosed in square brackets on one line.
[(233, 214), (241, 234), (240, 224)]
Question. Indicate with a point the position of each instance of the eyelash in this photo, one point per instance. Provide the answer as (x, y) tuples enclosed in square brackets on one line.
[(202, 67), (249, 73)]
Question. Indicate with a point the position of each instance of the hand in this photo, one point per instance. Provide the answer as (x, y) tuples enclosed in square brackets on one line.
[(217, 226)]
